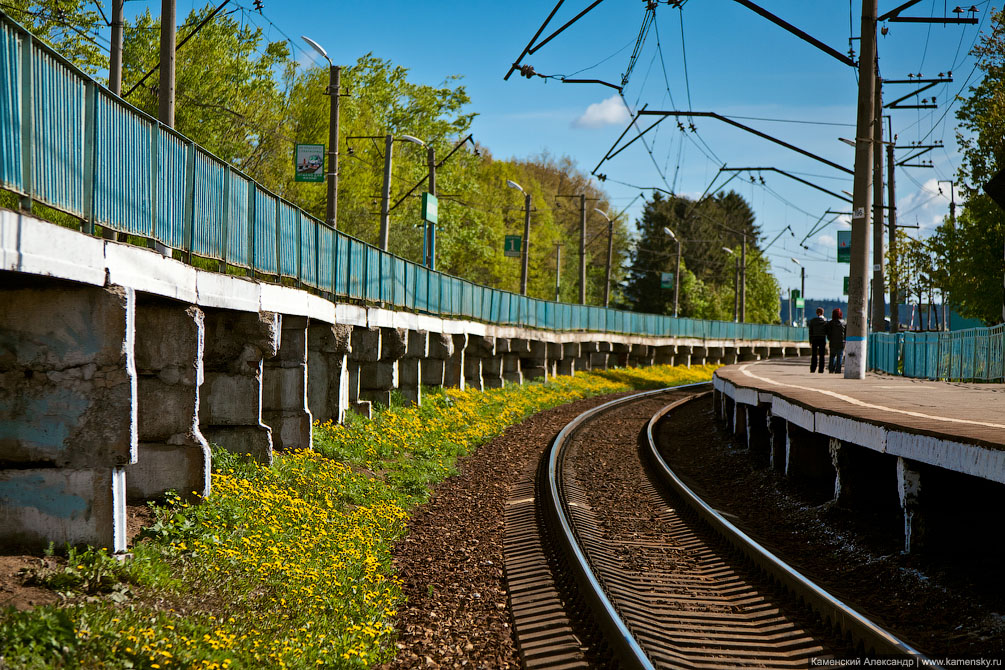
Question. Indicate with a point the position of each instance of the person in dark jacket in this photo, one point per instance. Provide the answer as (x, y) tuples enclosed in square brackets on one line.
[(835, 337), (818, 340)]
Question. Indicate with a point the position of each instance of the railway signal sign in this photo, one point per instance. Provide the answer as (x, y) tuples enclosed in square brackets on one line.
[(511, 247), (666, 280)]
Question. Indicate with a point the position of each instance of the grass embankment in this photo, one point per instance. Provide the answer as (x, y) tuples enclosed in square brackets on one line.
[(286, 566)]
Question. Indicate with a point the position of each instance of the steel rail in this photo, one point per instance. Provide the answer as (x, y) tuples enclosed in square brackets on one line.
[(863, 631), (617, 635)]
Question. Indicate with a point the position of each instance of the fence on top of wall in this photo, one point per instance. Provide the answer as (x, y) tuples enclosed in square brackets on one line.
[(69, 143)]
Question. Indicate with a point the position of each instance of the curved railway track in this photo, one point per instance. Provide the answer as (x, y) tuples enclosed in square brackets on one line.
[(612, 561)]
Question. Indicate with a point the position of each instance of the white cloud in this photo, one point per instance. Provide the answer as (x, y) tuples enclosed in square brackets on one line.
[(609, 112)]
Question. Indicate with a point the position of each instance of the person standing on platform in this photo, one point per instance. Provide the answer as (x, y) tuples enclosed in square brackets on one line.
[(835, 337), (818, 340)]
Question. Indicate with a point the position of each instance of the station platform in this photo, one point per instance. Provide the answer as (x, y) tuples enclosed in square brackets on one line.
[(972, 413), (933, 452)]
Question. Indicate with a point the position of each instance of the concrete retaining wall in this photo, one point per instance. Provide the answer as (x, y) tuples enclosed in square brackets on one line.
[(118, 367)]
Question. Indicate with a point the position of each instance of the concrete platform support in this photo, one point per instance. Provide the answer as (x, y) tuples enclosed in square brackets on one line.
[(478, 349), (641, 355), (511, 372), (663, 355), (453, 374), (230, 405), (377, 379), (284, 388), (778, 432), (328, 348), (714, 355), (739, 422), (808, 459), (410, 366), (567, 364), (619, 354), (909, 491), (556, 353), (440, 349), (534, 364), (748, 354), (68, 396), (512, 367), (731, 355), (698, 356), (865, 479), (683, 356), (172, 454), (758, 435), (365, 349)]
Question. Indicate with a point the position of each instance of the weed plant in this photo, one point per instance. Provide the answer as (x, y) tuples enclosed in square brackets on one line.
[(287, 566)]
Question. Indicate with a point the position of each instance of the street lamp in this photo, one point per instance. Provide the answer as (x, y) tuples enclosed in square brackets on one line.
[(802, 287), (676, 274), (526, 234), (334, 91), (610, 252), (428, 228), (736, 282)]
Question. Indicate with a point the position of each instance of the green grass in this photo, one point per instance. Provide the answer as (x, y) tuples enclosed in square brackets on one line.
[(282, 566)]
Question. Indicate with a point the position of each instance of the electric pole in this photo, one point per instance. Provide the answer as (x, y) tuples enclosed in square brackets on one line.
[(430, 239), (385, 199), (115, 58), (165, 91), (525, 266), (743, 282), (878, 287), (558, 271), (582, 249), (858, 283), (582, 243), (952, 247), (334, 91), (892, 224)]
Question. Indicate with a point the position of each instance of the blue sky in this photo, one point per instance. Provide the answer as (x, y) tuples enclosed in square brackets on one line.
[(737, 64)]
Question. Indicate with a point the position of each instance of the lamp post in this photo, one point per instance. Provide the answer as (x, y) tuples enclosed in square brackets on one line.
[(802, 288), (428, 228), (334, 79), (610, 252), (526, 234), (676, 274), (736, 284)]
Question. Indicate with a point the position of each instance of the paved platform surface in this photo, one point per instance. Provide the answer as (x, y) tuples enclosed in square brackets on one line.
[(973, 413)]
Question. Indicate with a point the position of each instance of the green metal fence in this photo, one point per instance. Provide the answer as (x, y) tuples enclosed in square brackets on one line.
[(69, 143), (974, 354)]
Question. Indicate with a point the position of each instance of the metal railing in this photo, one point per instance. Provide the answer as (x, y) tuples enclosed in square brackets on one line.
[(974, 354), (69, 143)]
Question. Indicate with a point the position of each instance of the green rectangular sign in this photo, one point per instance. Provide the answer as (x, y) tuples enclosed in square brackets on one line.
[(846, 286), (309, 162), (429, 207), (844, 246), (511, 247), (800, 303), (666, 280)]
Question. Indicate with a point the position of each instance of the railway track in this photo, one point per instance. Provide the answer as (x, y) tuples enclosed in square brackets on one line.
[(612, 561)]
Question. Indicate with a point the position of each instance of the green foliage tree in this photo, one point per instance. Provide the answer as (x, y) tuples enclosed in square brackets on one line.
[(979, 237), (74, 28), (707, 272), (227, 96)]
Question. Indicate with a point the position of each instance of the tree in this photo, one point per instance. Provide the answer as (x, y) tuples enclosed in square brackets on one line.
[(65, 25), (707, 272), (228, 99), (979, 237)]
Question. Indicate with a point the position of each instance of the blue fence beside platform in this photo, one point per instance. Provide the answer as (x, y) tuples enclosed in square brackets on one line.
[(974, 354), (69, 143)]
